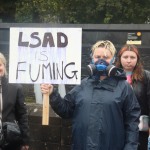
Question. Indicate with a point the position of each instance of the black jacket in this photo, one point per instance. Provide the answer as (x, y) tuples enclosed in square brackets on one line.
[(14, 107), (105, 114), (142, 92)]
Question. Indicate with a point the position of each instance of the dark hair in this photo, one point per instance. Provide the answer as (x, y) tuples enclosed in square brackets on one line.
[(138, 70)]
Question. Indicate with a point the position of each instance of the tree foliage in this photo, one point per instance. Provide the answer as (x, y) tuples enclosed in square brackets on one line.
[(82, 11), (36, 11), (7, 10), (125, 11)]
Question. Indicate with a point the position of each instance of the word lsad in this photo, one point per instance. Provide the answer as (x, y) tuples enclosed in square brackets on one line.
[(62, 40)]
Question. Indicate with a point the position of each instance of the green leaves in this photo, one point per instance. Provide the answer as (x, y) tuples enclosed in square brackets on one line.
[(83, 11)]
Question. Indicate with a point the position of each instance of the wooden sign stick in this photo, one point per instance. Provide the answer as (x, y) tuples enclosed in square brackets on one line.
[(45, 115)]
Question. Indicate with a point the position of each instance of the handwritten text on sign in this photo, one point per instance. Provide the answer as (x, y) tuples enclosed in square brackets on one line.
[(45, 55)]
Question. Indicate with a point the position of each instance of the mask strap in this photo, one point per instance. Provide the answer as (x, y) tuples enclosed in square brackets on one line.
[(112, 60)]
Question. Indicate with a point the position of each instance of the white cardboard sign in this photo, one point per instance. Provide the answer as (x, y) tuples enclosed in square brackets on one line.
[(45, 55)]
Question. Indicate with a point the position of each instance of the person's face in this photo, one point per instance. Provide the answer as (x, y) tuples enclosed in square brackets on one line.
[(2, 69), (128, 60), (102, 53)]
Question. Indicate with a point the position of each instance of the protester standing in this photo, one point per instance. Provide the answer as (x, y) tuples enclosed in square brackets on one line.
[(103, 108), (13, 108), (130, 60)]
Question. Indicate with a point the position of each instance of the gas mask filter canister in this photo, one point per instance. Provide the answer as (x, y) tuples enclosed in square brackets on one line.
[(101, 68)]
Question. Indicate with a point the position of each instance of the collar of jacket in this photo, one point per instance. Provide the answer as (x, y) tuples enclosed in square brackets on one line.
[(108, 83), (4, 80)]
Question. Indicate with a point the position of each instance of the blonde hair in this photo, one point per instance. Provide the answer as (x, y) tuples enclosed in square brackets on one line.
[(106, 44), (3, 60)]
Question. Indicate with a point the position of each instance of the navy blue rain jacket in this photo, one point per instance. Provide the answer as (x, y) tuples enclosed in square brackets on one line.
[(105, 114)]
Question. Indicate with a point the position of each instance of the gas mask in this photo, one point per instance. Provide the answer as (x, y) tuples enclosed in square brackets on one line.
[(101, 68)]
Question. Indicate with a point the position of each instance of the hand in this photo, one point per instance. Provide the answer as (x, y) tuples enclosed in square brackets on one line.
[(25, 147), (46, 88)]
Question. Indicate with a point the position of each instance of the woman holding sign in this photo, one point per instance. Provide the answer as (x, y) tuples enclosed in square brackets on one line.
[(14, 131), (103, 108)]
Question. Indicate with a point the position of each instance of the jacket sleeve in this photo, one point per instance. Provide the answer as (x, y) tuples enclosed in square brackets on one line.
[(147, 83), (64, 107), (21, 115), (131, 111)]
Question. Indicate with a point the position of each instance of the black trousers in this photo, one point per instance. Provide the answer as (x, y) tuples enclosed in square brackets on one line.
[(11, 147), (143, 140)]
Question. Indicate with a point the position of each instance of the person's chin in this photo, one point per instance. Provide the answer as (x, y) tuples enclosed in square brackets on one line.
[(1, 74), (129, 69)]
